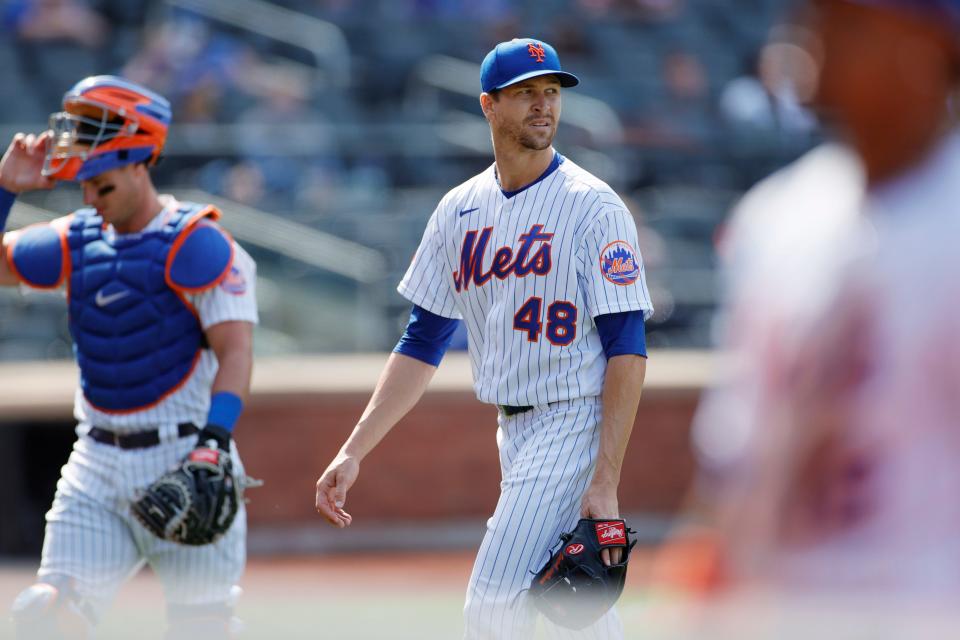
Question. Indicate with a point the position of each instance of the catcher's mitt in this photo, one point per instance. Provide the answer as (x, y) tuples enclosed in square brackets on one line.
[(195, 503), (574, 588)]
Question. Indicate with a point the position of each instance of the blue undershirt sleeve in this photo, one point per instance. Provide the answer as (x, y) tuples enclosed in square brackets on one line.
[(427, 336), (6, 203), (622, 333)]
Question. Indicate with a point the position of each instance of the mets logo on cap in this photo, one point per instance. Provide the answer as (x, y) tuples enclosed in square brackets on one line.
[(619, 264), (536, 51)]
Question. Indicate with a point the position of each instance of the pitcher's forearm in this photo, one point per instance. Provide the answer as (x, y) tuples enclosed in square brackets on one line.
[(621, 395), (401, 385)]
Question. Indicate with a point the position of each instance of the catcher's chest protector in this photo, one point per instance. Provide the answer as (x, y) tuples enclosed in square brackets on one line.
[(135, 338)]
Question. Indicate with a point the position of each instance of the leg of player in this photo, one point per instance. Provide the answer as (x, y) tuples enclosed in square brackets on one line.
[(547, 459), (200, 583), (214, 621), (87, 552), (52, 609)]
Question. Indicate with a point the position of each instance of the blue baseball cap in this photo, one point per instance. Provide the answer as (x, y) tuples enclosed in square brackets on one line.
[(519, 59)]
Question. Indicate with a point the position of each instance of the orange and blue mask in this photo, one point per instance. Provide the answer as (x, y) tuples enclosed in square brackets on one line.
[(107, 122)]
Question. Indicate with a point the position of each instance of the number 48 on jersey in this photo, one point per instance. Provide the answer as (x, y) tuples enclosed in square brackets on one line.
[(561, 321)]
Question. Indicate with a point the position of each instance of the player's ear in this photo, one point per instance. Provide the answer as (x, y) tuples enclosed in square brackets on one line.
[(143, 169), (487, 102)]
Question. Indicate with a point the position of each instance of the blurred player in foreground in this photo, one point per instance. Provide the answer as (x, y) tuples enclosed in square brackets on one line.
[(832, 448), (539, 259), (162, 310)]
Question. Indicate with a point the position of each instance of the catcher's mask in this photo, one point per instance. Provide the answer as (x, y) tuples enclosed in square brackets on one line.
[(106, 122)]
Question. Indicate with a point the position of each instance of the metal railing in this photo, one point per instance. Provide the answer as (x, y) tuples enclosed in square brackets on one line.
[(300, 242), (254, 227), (323, 40)]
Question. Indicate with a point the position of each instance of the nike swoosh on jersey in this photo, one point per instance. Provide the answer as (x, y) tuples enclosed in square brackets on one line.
[(466, 211), (103, 300)]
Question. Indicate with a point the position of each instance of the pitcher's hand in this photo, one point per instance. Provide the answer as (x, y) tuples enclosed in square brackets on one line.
[(332, 489), (600, 502)]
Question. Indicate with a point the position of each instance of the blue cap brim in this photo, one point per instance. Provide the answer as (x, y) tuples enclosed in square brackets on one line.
[(566, 79)]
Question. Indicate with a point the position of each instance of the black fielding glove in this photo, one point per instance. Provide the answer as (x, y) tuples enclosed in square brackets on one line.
[(575, 588), (196, 503)]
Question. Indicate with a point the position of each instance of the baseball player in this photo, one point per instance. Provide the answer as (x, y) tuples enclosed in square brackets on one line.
[(162, 310), (835, 439), (539, 259)]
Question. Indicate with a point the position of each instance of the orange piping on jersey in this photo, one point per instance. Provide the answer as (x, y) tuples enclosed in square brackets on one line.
[(8, 255), (214, 214), (59, 225), (66, 268), (63, 226), (208, 211), (174, 389)]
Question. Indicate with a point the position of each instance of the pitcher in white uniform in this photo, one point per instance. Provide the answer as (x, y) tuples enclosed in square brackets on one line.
[(539, 259), (162, 310)]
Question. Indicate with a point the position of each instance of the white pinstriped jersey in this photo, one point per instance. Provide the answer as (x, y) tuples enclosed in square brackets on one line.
[(528, 272), (234, 299)]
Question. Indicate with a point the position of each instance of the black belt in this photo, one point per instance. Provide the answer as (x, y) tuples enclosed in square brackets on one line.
[(512, 410), (138, 439)]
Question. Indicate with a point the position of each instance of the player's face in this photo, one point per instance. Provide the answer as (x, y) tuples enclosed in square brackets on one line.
[(116, 195), (876, 64), (527, 113)]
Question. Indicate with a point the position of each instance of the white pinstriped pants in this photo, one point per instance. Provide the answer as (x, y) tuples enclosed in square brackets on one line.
[(92, 537), (547, 459)]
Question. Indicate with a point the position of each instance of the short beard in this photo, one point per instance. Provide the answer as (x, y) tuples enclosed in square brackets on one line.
[(525, 139), (530, 142)]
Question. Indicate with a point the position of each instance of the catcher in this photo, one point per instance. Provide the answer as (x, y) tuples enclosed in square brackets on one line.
[(162, 309)]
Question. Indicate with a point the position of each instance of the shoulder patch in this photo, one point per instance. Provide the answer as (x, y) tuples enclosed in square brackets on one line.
[(619, 264), (234, 282), (39, 256), (200, 258)]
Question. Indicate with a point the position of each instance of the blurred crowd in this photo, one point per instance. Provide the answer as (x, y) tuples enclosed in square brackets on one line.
[(679, 74), (294, 125)]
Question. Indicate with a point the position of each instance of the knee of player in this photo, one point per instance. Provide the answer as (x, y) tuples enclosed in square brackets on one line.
[(210, 621), (52, 609)]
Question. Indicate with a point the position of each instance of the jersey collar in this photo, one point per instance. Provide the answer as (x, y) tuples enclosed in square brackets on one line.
[(556, 162)]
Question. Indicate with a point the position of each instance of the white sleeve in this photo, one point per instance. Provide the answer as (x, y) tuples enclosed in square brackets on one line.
[(611, 267), (427, 282), (235, 298)]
